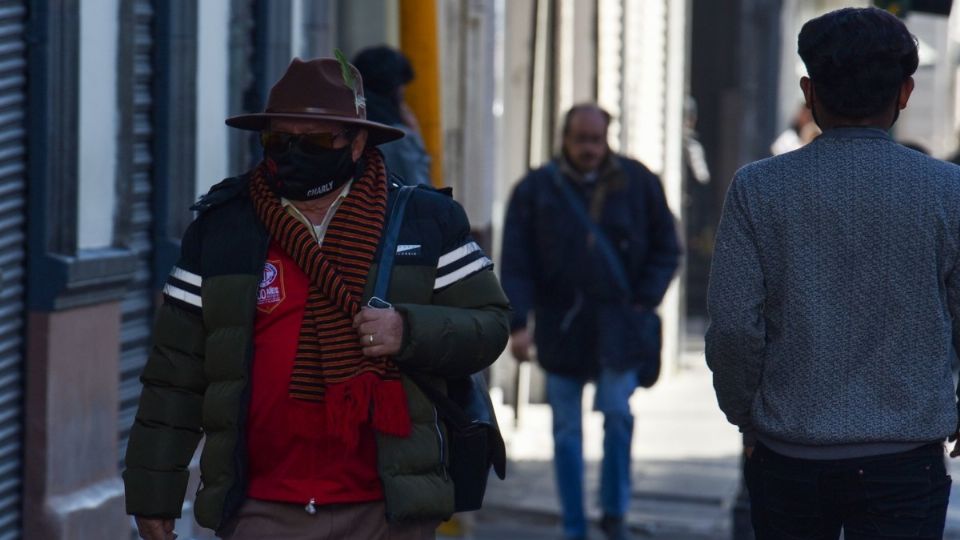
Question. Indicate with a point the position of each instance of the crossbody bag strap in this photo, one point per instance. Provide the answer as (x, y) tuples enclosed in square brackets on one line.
[(446, 407), (600, 238), (388, 251)]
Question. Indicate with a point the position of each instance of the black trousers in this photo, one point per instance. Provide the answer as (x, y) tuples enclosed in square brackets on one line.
[(901, 495)]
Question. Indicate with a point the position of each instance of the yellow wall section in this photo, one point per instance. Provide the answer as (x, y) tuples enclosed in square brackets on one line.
[(418, 40)]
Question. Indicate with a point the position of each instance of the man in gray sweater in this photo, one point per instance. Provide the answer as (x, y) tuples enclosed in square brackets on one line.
[(835, 304)]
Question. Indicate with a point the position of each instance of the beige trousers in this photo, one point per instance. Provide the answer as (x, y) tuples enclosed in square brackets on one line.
[(259, 520)]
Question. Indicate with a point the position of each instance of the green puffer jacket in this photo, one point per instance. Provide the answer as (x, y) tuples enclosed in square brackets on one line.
[(196, 381)]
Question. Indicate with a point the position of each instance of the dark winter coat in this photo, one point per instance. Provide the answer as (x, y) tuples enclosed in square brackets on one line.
[(197, 379), (550, 267)]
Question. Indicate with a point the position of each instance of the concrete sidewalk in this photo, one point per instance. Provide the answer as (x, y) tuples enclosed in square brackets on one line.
[(686, 464)]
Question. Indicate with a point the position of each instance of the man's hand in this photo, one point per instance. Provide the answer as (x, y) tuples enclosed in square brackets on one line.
[(748, 451), (155, 529), (955, 438), (520, 342), (381, 331)]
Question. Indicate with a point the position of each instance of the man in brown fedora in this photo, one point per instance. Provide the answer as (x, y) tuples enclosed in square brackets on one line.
[(269, 344)]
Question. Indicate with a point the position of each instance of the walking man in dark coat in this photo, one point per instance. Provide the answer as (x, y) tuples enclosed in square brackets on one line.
[(553, 269)]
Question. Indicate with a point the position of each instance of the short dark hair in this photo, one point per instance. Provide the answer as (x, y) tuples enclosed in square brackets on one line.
[(857, 59), (583, 107), (383, 68)]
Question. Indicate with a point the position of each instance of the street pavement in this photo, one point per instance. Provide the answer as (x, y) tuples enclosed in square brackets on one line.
[(685, 475), (685, 471), (509, 527)]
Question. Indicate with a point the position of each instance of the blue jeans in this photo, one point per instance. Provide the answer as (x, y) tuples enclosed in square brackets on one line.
[(902, 495), (565, 395)]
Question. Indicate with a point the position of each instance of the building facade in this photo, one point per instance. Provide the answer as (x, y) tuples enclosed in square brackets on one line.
[(115, 115), (111, 125)]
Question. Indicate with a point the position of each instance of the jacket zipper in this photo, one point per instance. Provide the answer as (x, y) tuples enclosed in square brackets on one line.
[(436, 424), (236, 493)]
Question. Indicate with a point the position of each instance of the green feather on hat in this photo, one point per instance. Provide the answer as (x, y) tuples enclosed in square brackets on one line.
[(349, 79)]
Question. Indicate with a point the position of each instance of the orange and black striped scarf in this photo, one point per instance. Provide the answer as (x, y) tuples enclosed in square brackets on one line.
[(330, 365)]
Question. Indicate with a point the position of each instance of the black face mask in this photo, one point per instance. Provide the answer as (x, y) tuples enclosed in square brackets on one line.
[(302, 176)]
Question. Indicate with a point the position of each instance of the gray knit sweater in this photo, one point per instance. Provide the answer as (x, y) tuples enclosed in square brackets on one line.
[(835, 295)]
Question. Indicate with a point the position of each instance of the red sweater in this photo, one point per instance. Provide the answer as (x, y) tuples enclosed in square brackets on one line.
[(289, 457)]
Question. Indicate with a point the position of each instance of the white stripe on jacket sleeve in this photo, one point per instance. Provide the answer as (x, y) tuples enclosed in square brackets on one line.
[(467, 270), (457, 254), (182, 295), (186, 277)]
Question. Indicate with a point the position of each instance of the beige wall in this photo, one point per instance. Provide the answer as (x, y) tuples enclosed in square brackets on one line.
[(362, 23), (72, 489)]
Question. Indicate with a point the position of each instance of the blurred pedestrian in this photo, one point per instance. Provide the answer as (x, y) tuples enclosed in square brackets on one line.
[(554, 267), (834, 299), (268, 343), (916, 147), (802, 131), (386, 73), (694, 155)]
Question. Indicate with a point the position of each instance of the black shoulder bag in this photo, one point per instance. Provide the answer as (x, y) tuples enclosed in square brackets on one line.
[(628, 337), (474, 440)]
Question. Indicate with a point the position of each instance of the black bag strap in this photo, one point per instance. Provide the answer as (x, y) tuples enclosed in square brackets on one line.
[(447, 408), (389, 248), (602, 242)]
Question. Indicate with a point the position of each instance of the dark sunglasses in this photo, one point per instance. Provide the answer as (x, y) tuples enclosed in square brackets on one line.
[(277, 142)]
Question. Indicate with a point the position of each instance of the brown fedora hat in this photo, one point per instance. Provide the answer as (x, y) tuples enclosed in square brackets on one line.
[(320, 89)]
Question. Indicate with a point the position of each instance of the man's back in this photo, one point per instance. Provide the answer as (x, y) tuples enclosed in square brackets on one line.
[(857, 240), (834, 297)]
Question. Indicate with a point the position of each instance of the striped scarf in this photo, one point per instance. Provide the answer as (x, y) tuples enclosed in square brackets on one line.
[(330, 365)]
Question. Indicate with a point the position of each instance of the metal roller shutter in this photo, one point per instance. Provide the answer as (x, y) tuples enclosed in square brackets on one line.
[(12, 260), (138, 304)]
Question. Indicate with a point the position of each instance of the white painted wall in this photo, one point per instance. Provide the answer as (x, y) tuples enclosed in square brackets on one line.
[(575, 57), (98, 117), (566, 45), (644, 80), (792, 17), (539, 153), (675, 81), (364, 23), (212, 78), (298, 43), (513, 94), (928, 118), (477, 182), (610, 66)]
